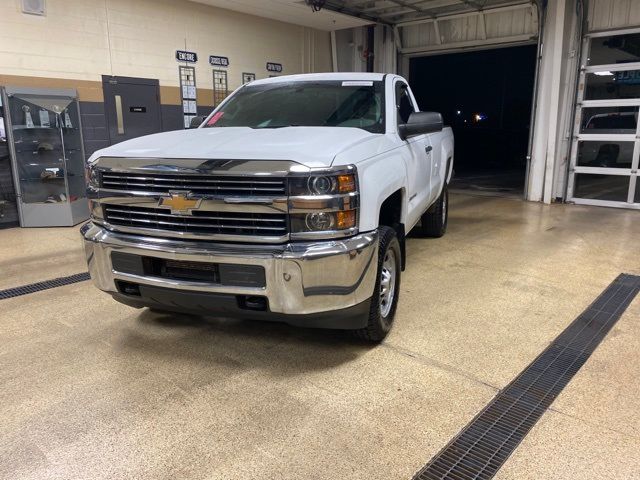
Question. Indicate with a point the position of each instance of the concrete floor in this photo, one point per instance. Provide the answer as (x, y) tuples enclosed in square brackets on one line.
[(93, 389)]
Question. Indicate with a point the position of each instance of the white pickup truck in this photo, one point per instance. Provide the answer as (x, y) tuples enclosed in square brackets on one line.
[(290, 202)]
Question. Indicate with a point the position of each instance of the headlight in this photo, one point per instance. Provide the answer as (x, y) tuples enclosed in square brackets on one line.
[(323, 184), (316, 222), (319, 221), (324, 204)]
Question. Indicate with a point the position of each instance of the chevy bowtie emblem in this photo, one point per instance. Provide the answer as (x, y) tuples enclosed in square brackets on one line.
[(179, 203)]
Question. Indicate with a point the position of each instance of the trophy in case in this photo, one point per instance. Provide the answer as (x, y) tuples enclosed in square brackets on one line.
[(28, 121)]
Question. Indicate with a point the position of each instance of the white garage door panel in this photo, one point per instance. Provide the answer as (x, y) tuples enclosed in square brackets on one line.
[(511, 23), (610, 14), (490, 27)]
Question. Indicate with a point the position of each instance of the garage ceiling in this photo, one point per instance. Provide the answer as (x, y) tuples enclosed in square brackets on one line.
[(421, 26), (291, 11), (339, 14)]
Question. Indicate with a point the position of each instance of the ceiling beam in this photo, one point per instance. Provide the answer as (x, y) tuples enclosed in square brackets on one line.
[(467, 13), (419, 6), (346, 9)]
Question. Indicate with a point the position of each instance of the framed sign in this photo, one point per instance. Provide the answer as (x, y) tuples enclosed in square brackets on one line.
[(183, 56), (274, 67), (220, 87), (248, 77), (188, 93), (218, 61)]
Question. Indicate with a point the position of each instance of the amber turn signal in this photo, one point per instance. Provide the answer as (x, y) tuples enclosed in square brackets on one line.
[(346, 183), (345, 219)]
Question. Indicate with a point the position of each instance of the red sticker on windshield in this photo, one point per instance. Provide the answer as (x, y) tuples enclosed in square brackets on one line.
[(217, 116)]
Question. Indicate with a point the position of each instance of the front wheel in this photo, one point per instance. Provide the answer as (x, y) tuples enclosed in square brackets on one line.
[(387, 289)]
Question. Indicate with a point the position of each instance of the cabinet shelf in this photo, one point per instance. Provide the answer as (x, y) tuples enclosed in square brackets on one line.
[(40, 127), (40, 179), (35, 127)]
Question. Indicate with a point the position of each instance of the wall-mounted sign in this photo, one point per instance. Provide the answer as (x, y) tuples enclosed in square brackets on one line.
[(183, 56), (274, 67), (218, 61), (137, 109)]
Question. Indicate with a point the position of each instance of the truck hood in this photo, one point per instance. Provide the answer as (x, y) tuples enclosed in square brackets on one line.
[(310, 146)]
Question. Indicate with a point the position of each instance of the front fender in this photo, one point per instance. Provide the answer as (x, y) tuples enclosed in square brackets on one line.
[(379, 178)]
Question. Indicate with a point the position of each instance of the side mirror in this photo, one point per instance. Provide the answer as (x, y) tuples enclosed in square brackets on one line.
[(420, 123), (196, 121)]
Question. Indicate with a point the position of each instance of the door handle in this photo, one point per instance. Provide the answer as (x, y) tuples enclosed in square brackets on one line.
[(428, 149), (119, 117)]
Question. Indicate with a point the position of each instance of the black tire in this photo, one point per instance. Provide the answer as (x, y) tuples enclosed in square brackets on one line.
[(382, 313), (434, 221)]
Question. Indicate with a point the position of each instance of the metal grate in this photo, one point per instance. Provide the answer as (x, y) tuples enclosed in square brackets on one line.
[(199, 222), (46, 285), (484, 445), (196, 184)]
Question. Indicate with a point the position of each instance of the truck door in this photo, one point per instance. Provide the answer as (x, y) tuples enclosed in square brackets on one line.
[(418, 156)]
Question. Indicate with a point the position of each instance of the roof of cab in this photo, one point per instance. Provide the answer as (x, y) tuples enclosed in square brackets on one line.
[(306, 77)]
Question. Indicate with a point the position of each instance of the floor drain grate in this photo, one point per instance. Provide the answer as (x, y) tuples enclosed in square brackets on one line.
[(46, 285), (484, 445)]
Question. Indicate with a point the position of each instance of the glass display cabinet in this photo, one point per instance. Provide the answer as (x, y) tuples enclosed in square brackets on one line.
[(47, 155)]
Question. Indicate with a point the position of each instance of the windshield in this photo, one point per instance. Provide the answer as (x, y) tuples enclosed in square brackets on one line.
[(357, 104)]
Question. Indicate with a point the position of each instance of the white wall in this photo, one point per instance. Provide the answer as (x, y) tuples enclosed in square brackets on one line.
[(351, 46), (84, 39)]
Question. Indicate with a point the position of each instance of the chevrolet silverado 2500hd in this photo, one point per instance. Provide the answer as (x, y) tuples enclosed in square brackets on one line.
[(290, 202)]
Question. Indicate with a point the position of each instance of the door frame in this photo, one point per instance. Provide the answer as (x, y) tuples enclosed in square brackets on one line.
[(114, 80)]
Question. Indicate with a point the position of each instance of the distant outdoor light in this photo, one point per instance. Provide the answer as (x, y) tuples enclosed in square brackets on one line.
[(458, 112), (605, 73)]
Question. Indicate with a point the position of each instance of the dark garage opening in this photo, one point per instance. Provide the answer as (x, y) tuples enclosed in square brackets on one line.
[(486, 97)]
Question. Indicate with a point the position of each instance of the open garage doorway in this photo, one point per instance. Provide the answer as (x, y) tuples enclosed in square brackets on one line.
[(486, 97)]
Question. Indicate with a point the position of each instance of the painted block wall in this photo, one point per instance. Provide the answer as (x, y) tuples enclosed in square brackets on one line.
[(84, 39), (78, 41)]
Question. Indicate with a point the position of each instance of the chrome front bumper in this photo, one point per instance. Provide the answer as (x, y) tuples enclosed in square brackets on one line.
[(301, 278)]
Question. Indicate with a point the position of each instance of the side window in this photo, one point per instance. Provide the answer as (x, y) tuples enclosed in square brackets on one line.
[(403, 103)]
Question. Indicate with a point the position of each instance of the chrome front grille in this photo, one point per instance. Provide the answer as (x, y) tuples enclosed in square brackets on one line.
[(201, 222), (196, 184)]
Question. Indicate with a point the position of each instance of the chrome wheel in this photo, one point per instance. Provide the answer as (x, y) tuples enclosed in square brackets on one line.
[(388, 282)]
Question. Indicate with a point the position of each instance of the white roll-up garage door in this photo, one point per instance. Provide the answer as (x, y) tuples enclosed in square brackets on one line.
[(493, 27)]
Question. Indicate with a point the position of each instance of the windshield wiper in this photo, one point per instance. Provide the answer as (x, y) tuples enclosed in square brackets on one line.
[(281, 126)]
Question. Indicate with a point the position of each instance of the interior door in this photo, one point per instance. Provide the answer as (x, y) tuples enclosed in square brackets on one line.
[(132, 106), (419, 156)]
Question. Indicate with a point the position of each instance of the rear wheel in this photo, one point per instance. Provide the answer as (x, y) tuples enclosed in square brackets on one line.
[(434, 221), (387, 289)]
